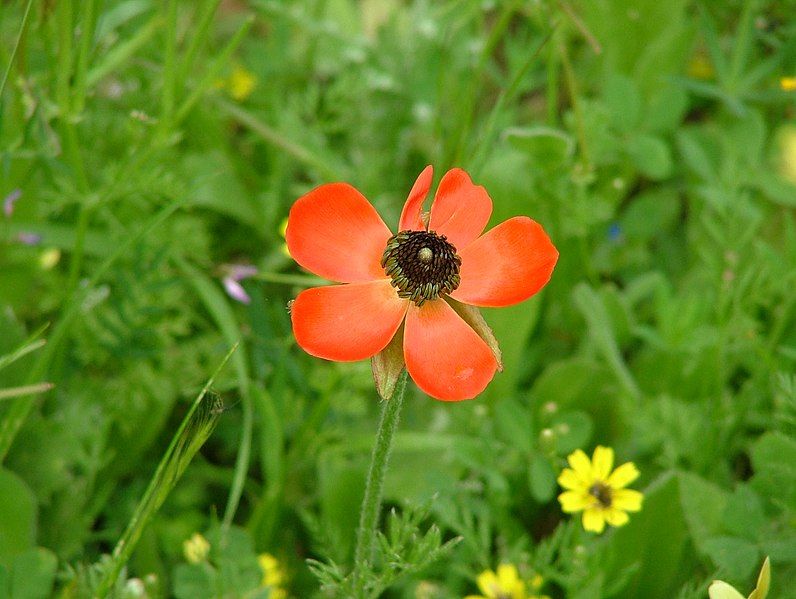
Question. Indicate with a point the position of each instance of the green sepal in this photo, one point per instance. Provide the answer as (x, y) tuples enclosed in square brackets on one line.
[(472, 316), (388, 364)]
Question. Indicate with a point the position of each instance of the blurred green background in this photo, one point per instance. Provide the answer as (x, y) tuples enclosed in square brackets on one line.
[(149, 148)]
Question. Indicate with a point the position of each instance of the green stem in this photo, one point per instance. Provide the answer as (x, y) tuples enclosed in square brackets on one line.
[(572, 87), (371, 502), (22, 28)]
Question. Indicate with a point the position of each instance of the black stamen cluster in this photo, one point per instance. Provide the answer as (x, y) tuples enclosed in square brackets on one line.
[(422, 265), (602, 493)]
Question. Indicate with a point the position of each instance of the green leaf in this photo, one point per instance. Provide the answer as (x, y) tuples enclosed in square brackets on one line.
[(571, 383), (666, 109), (623, 99), (514, 423), (696, 156), (215, 186), (194, 581), (656, 538), (774, 463), (547, 147), (650, 155), (703, 506), (733, 555), (651, 214), (17, 515), (744, 515), (33, 574)]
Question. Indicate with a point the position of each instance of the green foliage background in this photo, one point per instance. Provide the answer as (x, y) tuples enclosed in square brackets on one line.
[(649, 138)]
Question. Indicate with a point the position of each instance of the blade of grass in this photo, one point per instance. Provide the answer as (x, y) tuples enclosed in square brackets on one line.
[(88, 28), (199, 35), (169, 90), (194, 430), (13, 392), (222, 314), (29, 345), (22, 28), (593, 309), (250, 121), (123, 52), (486, 138), (470, 97), (213, 72), (65, 15)]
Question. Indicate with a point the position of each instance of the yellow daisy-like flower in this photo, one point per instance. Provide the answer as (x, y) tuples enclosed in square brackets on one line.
[(505, 584), (196, 549), (241, 83), (721, 590), (592, 488), (273, 575), (788, 84)]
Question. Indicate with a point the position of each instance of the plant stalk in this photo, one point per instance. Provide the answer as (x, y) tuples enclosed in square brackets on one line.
[(371, 502)]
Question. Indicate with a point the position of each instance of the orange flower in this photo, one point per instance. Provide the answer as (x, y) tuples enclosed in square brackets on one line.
[(408, 278)]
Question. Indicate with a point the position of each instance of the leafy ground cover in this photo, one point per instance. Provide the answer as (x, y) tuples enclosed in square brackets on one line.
[(149, 155)]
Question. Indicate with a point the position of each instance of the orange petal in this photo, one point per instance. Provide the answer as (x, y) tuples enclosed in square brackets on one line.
[(460, 210), (507, 265), (334, 232), (410, 215), (347, 322), (445, 357)]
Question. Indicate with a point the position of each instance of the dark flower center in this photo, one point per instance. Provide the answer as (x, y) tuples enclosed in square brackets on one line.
[(422, 265), (602, 493)]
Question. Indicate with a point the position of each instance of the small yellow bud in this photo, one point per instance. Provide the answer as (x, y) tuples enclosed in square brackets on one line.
[(196, 549), (49, 258)]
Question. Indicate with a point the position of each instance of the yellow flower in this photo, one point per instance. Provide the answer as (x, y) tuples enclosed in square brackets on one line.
[(505, 584), (196, 549), (721, 590), (700, 67), (591, 487), (241, 83), (273, 575), (788, 84)]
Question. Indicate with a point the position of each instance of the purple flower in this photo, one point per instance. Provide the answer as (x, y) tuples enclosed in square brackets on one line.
[(236, 291), (9, 201), (28, 238), (235, 274)]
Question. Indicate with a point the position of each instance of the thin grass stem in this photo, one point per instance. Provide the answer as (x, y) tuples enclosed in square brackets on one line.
[(22, 27), (194, 430)]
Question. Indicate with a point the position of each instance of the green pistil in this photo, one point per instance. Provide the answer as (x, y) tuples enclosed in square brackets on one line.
[(422, 265)]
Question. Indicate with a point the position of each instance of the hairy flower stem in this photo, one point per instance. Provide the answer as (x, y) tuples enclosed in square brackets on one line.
[(371, 502)]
